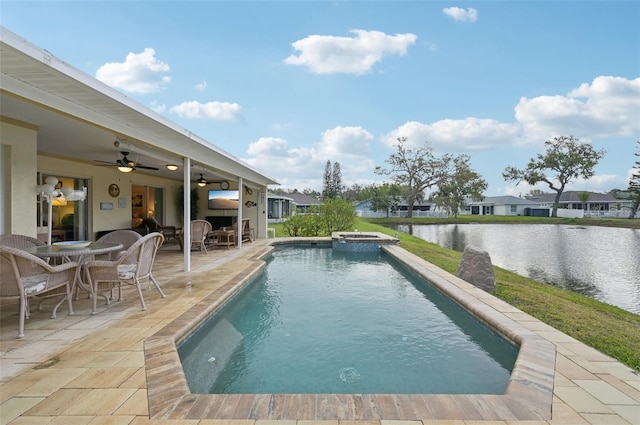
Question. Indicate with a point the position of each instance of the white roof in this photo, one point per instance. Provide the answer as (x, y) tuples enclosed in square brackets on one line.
[(80, 117)]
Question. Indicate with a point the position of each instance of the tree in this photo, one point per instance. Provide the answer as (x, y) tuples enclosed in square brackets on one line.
[(385, 197), (566, 157), (332, 181), (336, 180), (326, 181), (462, 184), (634, 185), (354, 193), (416, 170), (334, 215), (534, 192), (584, 198), (313, 193)]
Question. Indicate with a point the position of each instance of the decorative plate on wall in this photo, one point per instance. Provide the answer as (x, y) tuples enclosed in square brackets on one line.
[(114, 190)]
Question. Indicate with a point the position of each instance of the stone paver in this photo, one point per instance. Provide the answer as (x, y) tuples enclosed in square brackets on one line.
[(86, 369)]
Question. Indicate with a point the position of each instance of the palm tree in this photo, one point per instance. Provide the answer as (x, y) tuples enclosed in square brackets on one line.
[(584, 198)]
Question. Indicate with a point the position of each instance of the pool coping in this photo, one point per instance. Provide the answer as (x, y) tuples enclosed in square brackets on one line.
[(528, 395)]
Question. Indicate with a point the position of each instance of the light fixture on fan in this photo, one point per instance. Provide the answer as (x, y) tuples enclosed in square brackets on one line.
[(125, 169), (172, 167), (202, 182)]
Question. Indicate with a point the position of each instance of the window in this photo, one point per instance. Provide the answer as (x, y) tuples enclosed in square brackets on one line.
[(146, 202), (69, 219)]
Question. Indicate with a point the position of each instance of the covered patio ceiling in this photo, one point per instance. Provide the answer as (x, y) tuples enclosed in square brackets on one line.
[(80, 118)]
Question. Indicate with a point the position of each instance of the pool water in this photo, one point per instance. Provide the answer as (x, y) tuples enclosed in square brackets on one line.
[(321, 321)]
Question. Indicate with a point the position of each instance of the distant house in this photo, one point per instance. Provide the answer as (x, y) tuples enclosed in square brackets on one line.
[(501, 205), (303, 202), (424, 209), (278, 206), (281, 206), (570, 200)]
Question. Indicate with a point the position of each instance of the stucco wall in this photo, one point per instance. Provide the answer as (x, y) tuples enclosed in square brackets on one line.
[(98, 191), (19, 167)]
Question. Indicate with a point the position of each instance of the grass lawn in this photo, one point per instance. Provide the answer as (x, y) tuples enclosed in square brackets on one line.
[(609, 329)]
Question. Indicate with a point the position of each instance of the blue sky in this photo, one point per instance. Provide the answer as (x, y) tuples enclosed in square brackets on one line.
[(287, 85)]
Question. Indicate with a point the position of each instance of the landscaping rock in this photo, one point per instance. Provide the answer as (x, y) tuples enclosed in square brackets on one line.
[(476, 268)]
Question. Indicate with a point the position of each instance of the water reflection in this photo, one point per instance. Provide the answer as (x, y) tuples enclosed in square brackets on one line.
[(600, 262)]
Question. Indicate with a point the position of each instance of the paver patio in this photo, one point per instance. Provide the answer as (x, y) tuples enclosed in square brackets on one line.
[(85, 369)]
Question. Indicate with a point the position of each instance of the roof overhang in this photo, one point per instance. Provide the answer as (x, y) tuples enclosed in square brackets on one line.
[(79, 117)]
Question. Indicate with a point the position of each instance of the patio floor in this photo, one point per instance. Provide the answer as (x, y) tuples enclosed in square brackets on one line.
[(85, 369)]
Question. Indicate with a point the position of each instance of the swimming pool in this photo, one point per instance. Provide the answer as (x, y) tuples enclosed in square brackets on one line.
[(323, 321), (528, 395)]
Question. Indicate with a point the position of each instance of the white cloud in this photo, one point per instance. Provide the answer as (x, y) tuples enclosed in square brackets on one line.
[(462, 135), (461, 15), (269, 146), (609, 107), (139, 73), (201, 86), (222, 111), (303, 167), (345, 141), (324, 54), (158, 107)]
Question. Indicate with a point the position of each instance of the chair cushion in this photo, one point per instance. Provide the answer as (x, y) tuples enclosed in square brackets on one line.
[(127, 271), (34, 284)]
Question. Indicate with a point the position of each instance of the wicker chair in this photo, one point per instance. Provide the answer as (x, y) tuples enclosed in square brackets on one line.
[(25, 276), (19, 241), (154, 226), (124, 237), (130, 267), (200, 230)]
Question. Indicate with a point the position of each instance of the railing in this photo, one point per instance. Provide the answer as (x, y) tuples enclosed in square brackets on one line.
[(381, 214), (609, 214)]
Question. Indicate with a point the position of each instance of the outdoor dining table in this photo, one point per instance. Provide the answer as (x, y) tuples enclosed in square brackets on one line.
[(81, 253)]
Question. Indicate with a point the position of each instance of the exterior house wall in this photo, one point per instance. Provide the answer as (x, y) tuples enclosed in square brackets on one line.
[(502, 210), (19, 142), (506, 209), (98, 191), (255, 211)]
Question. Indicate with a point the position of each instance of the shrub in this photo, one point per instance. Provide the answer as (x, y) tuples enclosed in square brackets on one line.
[(333, 215)]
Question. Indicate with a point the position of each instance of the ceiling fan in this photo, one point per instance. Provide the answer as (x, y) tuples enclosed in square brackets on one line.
[(202, 182), (125, 165)]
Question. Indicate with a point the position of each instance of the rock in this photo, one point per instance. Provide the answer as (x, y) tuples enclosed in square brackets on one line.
[(476, 268)]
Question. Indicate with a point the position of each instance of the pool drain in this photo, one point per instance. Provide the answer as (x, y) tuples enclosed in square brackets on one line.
[(349, 375)]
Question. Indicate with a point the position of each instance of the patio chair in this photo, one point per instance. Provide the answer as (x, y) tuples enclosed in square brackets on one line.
[(25, 276), (131, 266), (19, 241), (153, 226), (200, 230), (244, 231), (124, 237)]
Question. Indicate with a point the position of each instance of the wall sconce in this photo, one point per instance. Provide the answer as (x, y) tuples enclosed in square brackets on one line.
[(49, 193), (172, 167)]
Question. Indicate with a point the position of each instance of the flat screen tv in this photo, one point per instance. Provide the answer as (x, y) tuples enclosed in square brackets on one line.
[(223, 199)]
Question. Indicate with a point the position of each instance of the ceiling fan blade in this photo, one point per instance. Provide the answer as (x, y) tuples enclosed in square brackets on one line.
[(145, 167), (105, 162)]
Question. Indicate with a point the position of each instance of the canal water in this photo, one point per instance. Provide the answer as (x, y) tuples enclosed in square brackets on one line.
[(600, 262)]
